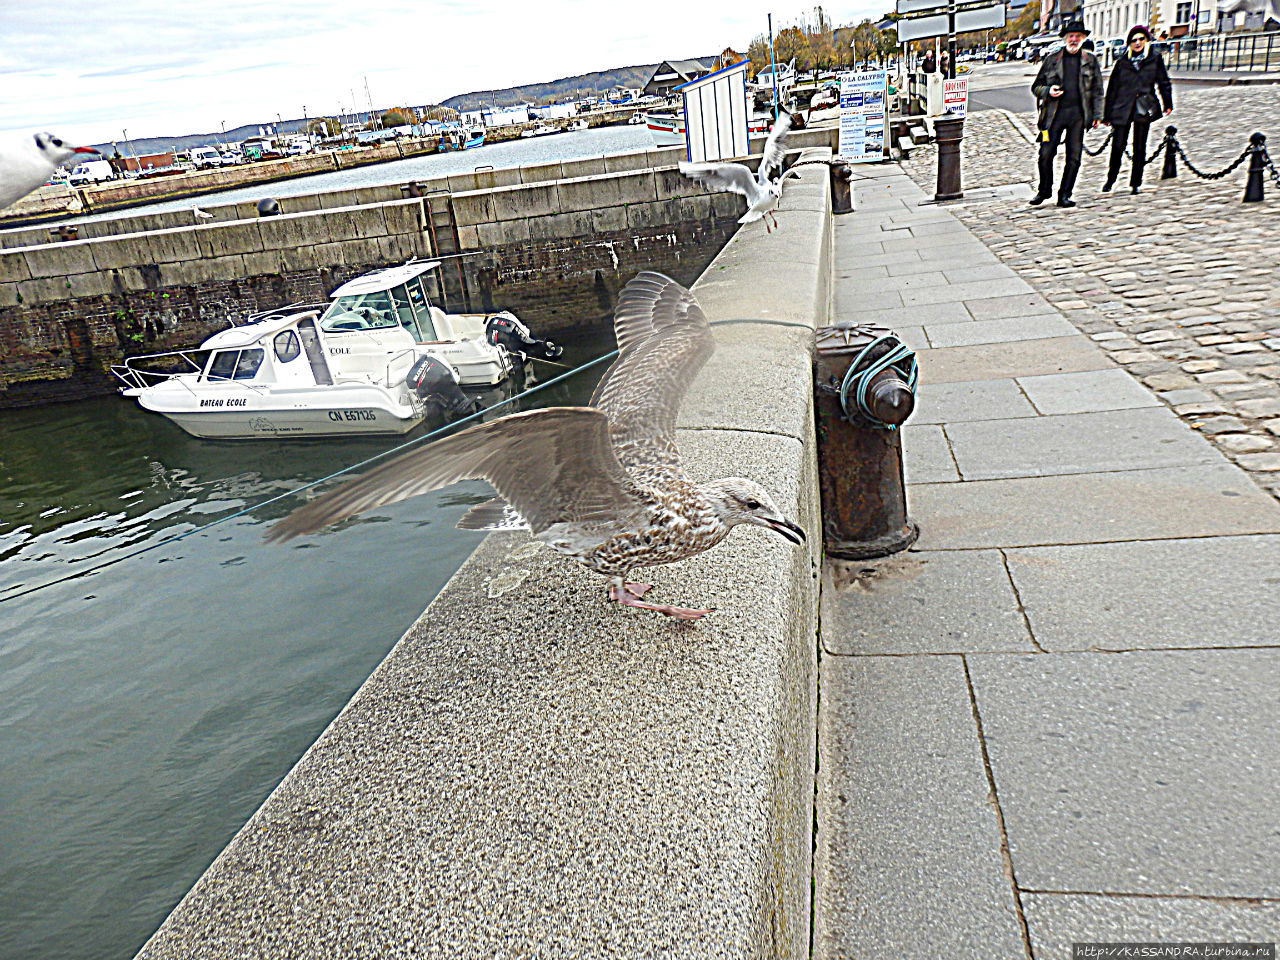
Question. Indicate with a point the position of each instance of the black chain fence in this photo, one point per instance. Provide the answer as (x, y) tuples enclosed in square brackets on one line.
[(1256, 152)]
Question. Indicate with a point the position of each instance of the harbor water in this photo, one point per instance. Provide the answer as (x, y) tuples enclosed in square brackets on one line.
[(149, 707)]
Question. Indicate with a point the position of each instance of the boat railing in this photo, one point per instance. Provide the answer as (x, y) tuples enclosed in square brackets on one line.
[(136, 378), (280, 312), (411, 354)]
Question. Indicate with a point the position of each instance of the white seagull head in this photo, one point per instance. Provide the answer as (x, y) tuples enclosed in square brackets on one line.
[(738, 500), (55, 151)]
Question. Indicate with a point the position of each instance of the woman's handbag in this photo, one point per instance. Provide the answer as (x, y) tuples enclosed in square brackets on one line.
[(1146, 108)]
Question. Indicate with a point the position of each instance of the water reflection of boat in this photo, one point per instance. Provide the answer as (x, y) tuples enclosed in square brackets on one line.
[(380, 358)]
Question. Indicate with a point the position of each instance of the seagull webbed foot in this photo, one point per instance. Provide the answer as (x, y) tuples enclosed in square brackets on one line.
[(627, 598)]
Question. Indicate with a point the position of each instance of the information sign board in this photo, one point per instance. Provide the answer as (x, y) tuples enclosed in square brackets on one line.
[(955, 96), (938, 24), (862, 115)]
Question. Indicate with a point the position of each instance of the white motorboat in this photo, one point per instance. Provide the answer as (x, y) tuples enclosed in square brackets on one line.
[(541, 130), (379, 358)]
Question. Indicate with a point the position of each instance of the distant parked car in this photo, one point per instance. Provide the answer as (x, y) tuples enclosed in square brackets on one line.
[(230, 158), (205, 158), (94, 171)]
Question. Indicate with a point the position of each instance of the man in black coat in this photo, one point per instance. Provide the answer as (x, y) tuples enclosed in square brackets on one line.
[(1069, 90), (1131, 101)]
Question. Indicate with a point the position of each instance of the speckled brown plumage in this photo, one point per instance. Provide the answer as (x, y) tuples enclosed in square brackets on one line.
[(602, 484)]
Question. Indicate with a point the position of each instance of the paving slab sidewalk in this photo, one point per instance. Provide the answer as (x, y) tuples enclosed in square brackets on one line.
[(1054, 719)]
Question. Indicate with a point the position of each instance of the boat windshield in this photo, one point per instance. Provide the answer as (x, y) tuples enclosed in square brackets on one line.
[(235, 364), (361, 311)]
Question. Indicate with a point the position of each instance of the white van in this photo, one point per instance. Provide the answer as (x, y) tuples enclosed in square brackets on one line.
[(93, 171), (205, 157)]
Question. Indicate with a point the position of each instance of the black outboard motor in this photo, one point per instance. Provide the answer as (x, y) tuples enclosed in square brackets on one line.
[(505, 330), (434, 381)]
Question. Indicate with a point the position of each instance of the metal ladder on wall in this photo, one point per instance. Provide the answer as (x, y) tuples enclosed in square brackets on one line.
[(442, 227)]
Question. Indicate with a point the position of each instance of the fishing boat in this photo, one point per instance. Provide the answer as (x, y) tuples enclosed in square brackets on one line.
[(379, 357), (461, 138), (668, 129)]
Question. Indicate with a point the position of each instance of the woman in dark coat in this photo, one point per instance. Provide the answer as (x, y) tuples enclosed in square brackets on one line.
[(1131, 101)]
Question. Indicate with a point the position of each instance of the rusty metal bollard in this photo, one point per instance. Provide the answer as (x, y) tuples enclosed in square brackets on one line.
[(864, 388), (948, 133), (1170, 170), (841, 188), (1257, 167)]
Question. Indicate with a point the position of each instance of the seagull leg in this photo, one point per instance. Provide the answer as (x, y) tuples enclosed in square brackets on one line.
[(638, 589), (618, 592)]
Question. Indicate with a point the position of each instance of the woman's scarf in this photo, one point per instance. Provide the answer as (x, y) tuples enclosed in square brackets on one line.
[(1139, 57)]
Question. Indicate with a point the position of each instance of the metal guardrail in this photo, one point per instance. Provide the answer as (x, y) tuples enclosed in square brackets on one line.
[(1254, 52)]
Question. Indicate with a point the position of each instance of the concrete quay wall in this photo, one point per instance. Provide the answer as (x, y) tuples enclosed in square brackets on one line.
[(533, 772), (552, 243), (48, 205), (68, 310), (482, 178)]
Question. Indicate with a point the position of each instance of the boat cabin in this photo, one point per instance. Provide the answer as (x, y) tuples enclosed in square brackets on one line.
[(387, 298), (291, 351)]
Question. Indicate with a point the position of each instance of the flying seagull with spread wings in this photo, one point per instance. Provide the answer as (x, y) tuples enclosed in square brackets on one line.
[(602, 484), (763, 192), (27, 162)]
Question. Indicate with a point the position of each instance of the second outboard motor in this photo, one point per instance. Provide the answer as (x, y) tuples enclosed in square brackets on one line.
[(505, 330), (434, 381)]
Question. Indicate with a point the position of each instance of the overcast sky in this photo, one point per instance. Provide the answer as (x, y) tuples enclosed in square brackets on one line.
[(88, 70)]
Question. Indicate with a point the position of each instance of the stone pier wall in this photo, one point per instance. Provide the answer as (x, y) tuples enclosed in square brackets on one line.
[(551, 242), (69, 310)]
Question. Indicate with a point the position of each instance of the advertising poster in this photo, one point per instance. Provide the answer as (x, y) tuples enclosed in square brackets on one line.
[(862, 115), (955, 96)]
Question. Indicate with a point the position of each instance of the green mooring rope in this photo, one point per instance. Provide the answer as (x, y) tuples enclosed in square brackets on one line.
[(858, 378)]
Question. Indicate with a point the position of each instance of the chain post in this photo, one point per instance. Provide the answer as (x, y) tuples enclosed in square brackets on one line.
[(1257, 165), (1170, 170)]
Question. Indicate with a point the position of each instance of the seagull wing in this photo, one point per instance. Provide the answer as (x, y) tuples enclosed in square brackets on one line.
[(664, 341), (554, 465), (723, 176), (774, 147)]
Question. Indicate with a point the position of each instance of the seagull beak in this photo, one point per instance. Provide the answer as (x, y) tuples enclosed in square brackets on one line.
[(785, 528), (84, 150)]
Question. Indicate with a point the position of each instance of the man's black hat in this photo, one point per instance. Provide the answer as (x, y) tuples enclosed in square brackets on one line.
[(1073, 26)]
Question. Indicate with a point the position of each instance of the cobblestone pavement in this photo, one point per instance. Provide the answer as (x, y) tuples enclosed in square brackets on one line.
[(1180, 283)]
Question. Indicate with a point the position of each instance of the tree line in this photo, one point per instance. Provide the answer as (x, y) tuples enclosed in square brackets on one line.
[(816, 44)]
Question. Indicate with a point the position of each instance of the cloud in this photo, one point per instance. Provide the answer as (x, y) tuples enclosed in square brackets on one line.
[(88, 70)]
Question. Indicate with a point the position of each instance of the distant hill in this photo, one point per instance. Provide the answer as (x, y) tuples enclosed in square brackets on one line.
[(587, 84)]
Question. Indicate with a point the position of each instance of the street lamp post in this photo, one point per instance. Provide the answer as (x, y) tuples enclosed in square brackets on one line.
[(773, 67), (224, 133)]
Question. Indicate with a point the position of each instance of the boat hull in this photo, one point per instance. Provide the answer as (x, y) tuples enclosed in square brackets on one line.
[(292, 424), (248, 415), (669, 131)]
